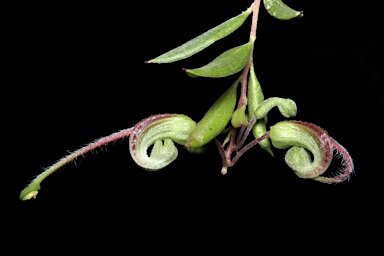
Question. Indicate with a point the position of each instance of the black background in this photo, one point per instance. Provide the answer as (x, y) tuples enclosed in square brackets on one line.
[(77, 73)]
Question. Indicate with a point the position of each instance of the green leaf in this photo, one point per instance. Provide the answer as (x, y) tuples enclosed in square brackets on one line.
[(226, 64), (279, 10), (201, 42)]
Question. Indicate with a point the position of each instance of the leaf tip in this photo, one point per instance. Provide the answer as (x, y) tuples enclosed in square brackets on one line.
[(300, 15), (190, 73)]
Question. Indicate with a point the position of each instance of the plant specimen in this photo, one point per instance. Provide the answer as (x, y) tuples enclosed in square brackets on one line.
[(240, 111)]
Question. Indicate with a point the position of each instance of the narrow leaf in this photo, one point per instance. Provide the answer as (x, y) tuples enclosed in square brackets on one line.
[(281, 11), (226, 64), (201, 42)]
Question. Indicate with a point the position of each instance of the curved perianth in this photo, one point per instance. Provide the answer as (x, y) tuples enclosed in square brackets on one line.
[(311, 150), (159, 131)]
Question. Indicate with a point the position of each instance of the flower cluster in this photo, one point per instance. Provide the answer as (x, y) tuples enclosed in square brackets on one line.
[(311, 149)]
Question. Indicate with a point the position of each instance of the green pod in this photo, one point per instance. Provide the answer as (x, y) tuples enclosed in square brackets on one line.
[(228, 63), (239, 118), (279, 10), (201, 42), (215, 120), (255, 98)]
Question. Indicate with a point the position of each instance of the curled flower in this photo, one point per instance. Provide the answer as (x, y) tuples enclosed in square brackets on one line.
[(160, 131), (311, 150), (150, 131)]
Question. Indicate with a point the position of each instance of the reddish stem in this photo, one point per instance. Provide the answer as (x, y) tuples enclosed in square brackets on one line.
[(244, 135), (231, 146), (252, 37), (247, 147)]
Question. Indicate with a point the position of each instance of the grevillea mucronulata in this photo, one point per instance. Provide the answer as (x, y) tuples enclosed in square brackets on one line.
[(311, 149)]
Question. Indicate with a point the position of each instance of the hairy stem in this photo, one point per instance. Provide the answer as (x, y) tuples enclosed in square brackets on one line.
[(32, 189)]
